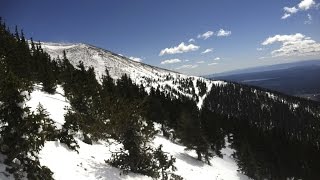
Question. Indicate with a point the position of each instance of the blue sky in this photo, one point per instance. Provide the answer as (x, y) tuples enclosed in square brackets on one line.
[(235, 34)]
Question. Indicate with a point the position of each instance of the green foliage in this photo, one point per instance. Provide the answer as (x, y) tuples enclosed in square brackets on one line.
[(85, 94), (202, 87), (275, 136), (129, 127), (164, 163), (190, 131), (132, 131), (69, 129), (22, 132), (151, 162)]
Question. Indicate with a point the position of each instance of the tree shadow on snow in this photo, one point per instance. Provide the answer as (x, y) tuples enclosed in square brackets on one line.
[(189, 159), (243, 177), (103, 171)]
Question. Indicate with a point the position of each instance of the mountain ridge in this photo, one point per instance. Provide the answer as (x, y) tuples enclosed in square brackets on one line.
[(149, 76)]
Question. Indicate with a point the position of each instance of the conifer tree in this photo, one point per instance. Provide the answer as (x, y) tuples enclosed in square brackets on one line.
[(130, 128), (191, 133), (23, 134)]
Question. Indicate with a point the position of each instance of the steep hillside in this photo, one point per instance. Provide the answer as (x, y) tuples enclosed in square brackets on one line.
[(89, 162), (117, 65), (90, 126)]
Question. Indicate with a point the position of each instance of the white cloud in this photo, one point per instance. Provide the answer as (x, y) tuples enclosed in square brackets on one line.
[(283, 38), (309, 20), (223, 32), (217, 58), (137, 59), (191, 40), (304, 5), (205, 35), (263, 57), (260, 49), (293, 45), (291, 10), (181, 48), (171, 61), (187, 60), (207, 51), (200, 62), (211, 64), (285, 16), (187, 66)]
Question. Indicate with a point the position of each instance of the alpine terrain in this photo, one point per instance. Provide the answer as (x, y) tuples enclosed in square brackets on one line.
[(76, 111)]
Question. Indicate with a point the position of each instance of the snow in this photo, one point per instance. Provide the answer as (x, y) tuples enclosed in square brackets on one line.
[(54, 104), (118, 65), (60, 47), (209, 85), (4, 175), (192, 169), (89, 163)]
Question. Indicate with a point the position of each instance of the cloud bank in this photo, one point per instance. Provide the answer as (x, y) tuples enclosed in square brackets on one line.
[(293, 45)]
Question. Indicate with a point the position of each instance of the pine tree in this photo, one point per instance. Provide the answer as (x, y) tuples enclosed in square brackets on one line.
[(69, 129), (130, 128), (23, 134), (192, 136)]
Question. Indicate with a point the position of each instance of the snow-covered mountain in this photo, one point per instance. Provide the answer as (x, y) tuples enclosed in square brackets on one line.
[(90, 163), (118, 65)]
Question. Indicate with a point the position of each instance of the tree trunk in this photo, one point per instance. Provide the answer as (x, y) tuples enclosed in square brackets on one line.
[(199, 155)]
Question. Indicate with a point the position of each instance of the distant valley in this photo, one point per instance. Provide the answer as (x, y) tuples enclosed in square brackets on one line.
[(298, 79)]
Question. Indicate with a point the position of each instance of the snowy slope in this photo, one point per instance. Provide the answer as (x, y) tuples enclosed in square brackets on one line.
[(89, 164), (117, 65), (52, 102)]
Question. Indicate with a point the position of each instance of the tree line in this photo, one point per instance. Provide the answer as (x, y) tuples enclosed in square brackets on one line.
[(275, 136)]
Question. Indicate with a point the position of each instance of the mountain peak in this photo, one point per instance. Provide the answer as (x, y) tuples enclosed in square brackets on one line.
[(149, 76)]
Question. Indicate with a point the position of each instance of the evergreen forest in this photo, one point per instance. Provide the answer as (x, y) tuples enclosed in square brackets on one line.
[(275, 136)]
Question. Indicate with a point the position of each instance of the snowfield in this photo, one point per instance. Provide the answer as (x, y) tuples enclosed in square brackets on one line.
[(89, 163), (54, 104)]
